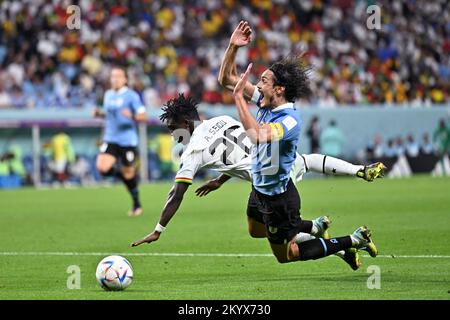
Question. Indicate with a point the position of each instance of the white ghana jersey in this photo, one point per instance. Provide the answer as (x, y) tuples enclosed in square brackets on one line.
[(221, 144)]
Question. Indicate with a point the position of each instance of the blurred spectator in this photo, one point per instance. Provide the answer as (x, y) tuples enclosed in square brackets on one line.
[(332, 140), (81, 170), (391, 150), (62, 154), (172, 46), (426, 147), (313, 134), (15, 162), (165, 147), (441, 137), (399, 146), (375, 149), (412, 147), (12, 169)]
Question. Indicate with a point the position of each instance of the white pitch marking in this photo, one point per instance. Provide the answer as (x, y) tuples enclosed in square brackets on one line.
[(156, 254)]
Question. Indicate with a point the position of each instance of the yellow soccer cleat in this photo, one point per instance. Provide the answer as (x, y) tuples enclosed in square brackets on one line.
[(372, 171), (362, 237), (351, 257)]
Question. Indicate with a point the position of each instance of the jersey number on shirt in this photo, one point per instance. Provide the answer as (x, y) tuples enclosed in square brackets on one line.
[(230, 142)]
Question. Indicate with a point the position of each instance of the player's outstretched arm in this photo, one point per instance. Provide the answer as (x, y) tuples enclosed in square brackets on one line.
[(173, 203), (212, 185), (228, 76)]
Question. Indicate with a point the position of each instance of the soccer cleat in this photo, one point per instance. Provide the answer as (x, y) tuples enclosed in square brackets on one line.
[(363, 241), (135, 212), (372, 171), (351, 257), (322, 224)]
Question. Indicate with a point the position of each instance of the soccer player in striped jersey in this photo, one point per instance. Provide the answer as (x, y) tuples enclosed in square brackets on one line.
[(122, 110)]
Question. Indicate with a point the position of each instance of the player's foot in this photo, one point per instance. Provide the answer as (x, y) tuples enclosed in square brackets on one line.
[(322, 224), (351, 257), (363, 241), (135, 212), (372, 171)]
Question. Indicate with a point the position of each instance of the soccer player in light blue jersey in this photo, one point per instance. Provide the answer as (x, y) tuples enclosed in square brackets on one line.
[(275, 134), (122, 110)]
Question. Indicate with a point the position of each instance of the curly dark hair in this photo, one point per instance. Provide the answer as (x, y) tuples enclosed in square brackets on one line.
[(179, 109), (292, 73)]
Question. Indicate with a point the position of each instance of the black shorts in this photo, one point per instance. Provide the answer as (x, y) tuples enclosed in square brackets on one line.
[(127, 156), (280, 213)]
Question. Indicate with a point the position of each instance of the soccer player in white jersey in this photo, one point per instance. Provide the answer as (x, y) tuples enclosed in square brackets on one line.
[(122, 110), (221, 144)]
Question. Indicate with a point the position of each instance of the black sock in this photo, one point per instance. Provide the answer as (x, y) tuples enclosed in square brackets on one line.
[(306, 226), (319, 248), (132, 187)]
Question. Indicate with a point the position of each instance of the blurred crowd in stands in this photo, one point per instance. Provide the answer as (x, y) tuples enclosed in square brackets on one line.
[(176, 46)]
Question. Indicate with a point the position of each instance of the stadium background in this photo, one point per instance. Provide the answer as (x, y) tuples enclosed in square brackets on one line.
[(377, 84)]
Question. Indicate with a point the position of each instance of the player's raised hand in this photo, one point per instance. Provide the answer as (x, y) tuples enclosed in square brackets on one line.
[(242, 35), (209, 186), (240, 86), (154, 236), (127, 113)]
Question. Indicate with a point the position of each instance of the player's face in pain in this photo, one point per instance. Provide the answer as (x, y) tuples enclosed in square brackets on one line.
[(266, 88)]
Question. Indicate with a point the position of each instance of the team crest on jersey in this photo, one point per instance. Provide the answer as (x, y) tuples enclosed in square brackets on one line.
[(117, 102)]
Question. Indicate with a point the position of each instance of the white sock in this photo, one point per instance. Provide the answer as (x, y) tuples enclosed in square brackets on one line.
[(328, 165), (340, 254), (314, 229), (302, 237), (355, 242)]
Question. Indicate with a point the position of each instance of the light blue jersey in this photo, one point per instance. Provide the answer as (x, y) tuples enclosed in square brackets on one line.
[(272, 162), (119, 129)]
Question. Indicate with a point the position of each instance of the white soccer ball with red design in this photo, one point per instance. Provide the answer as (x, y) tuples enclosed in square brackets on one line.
[(114, 273)]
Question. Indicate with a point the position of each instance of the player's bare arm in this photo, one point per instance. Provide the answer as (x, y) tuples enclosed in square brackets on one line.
[(174, 200), (212, 185), (228, 76), (255, 131), (138, 117)]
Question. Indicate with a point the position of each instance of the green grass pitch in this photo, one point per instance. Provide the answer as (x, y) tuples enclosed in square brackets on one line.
[(410, 220)]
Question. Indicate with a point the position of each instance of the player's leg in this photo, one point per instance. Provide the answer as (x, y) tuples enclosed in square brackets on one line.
[(128, 157), (333, 166), (256, 227), (106, 160)]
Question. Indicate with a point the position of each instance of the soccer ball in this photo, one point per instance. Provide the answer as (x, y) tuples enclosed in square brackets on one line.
[(114, 273)]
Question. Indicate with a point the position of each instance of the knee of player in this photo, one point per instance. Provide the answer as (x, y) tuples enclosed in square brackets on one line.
[(293, 251), (102, 169), (128, 174)]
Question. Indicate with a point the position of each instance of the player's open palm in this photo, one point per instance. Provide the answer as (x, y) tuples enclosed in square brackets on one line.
[(242, 35), (154, 236), (207, 188), (240, 86)]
